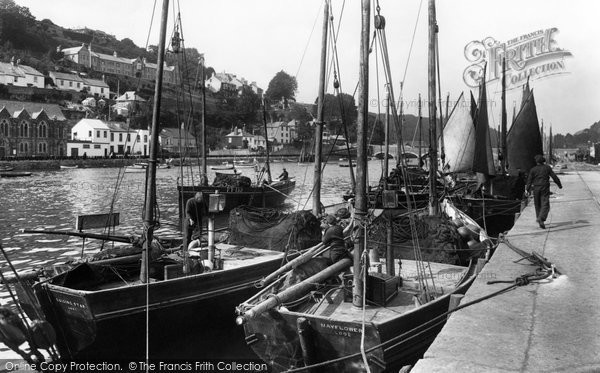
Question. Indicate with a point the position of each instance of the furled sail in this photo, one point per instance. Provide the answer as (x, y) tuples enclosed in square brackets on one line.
[(483, 161), (523, 140)]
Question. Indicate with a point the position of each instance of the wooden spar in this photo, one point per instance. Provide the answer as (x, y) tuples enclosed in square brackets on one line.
[(504, 164), (361, 160), (203, 171), (268, 160), (386, 162), (296, 291), (151, 171), (420, 131), (291, 264), (316, 209), (433, 202), (104, 237)]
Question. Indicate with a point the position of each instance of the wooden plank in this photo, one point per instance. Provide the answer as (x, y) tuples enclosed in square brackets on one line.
[(96, 221)]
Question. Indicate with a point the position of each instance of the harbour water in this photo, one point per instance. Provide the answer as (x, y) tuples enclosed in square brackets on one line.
[(52, 200)]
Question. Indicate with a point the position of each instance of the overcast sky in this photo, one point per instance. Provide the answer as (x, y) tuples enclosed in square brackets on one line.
[(257, 38)]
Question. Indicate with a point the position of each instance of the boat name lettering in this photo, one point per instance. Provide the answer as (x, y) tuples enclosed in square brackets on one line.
[(340, 328), (71, 303)]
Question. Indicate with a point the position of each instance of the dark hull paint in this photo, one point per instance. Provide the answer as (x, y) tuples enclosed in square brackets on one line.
[(253, 196), (274, 337), (111, 323)]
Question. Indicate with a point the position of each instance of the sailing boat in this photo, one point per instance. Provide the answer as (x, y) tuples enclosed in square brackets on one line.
[(388, 320), (109, 309), (239, 190)]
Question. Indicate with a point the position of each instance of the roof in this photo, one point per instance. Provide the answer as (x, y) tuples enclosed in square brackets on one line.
[(18, 70), (94, 123), (66, 76), (34, 109), (174, 132), (72, 50), (130, 96), (95, 82)]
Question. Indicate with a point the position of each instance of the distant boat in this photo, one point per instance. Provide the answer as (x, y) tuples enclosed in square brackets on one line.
[(142, 166), (68, 167), (14, 174), (347, 164), (6, 168)]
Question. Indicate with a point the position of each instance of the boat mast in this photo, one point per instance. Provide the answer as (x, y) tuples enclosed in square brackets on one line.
[(320, 116), (268, 160), (504, 162), (361, 157), (433, 202), (149, 222), (386, 161), (203, 171)]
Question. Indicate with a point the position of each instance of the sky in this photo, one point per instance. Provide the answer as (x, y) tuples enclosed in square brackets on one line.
[(255, 39)]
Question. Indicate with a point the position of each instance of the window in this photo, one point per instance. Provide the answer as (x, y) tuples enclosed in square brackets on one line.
[(120, 137), (16, 79), (97, 133), (89, 133), (145, 138), (105, 134), (137, 138), (60, 132), (42, 129), (35, 79), (78, 84), (74, 135), (101, 90), (86, 146), (128, 137), (112, 136), (62, 82), (24, 129), (4, 128), (97, 146), (70, 84)]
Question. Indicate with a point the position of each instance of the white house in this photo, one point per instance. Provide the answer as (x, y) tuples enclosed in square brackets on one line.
[(20, 75), (174, 141), (97, 87), (127, 102), (257, 141), (282, 132), (67, 82), (97, 138)]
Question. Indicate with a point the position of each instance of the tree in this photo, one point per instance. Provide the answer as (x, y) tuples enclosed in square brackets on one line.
[(247, 105), (282, 85), (336, 115)]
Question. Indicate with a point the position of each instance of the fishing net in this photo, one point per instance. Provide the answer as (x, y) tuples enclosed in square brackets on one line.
[(234, 181), (438, 238), (266, 228)]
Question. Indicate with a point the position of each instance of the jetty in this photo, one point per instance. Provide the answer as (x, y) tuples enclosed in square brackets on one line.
[(551, 325)]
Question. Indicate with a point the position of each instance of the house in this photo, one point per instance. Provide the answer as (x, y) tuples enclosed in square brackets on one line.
[(178, 142), (257, 142), (282, 132), (97, 87), (239, 138), (98, 138), (67, 81), (20, 75), (127, 103), (30, 129), (115, 64), (229, 84)]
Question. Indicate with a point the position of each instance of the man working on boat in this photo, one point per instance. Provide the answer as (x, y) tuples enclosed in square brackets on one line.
[(194, 210), (539, 178), (334, 237), (283, 176)]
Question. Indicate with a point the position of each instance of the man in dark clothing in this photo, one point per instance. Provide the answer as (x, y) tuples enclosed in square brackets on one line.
[(284, 175), (539, 179), (334, 237), (192, 226)]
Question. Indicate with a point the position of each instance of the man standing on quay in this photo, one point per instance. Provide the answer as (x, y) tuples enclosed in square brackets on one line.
[(539, 178)]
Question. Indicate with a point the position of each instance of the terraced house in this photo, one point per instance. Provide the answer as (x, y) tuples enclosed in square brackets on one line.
[(114, 64), (31, 129)]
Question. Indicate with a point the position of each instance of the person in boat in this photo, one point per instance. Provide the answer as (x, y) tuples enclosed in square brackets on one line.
[(284, 175), (195, 209), (539, 181), (334, 237)]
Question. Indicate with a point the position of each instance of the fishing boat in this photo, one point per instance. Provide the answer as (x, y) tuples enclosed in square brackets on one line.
[(15, 174), (68, 167), (6, 168), (383, 314), (125, 307), (239, 190)]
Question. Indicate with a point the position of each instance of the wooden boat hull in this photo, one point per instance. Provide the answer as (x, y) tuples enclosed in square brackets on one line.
[(14, 174), (399, 341), (498, 215), (111, 323), (262, 196)]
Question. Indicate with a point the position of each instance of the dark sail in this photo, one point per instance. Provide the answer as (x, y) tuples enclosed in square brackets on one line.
[(483, 161), (524, 140), (473, 107)]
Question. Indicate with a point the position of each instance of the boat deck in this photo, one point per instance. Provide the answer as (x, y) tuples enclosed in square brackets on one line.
[(445, 277), (545, 326)]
